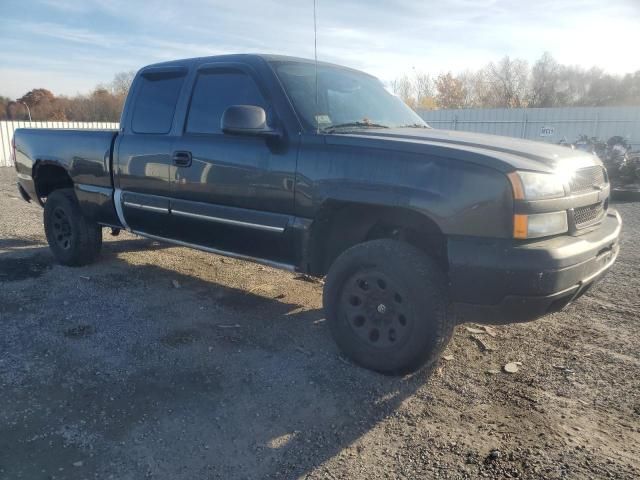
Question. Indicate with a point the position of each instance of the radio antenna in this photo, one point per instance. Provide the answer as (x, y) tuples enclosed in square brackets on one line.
[(315, 54)]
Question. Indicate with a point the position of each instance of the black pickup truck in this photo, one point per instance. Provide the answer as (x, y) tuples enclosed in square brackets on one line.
[(318, 169)]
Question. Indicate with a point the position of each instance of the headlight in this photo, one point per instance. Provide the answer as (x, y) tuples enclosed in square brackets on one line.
[(536, 186), (539, 225)]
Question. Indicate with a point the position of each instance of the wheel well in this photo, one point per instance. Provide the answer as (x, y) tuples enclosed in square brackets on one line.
[(339, 226), (48, 177)]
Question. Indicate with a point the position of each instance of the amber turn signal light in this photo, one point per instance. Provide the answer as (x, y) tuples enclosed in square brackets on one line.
[(516, 185)]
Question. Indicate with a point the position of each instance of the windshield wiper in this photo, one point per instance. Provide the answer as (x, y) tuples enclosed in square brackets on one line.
[(333, 128), (414, 125)]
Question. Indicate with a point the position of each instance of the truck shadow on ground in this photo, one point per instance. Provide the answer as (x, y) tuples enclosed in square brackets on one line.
[(200, 381), (21, 258)]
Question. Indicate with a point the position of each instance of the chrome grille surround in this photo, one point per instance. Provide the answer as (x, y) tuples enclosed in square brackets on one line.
[(585, 180)]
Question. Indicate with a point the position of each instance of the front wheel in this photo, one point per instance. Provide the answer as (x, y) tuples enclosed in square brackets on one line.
[(73, 239), (387, 306)]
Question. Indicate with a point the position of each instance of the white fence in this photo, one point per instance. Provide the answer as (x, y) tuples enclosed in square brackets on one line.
[(543, 124), (8, 127)]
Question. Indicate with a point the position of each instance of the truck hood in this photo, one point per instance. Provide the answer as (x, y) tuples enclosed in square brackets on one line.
[(503, 153)]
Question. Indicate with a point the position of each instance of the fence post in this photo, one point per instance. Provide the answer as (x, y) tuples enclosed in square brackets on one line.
[(455, 122), (596, 126), (523, 132)]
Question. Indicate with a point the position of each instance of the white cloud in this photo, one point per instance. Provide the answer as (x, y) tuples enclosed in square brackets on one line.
[(383, 37), (60, 32)]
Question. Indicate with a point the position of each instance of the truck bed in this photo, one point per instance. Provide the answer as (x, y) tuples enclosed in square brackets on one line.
[(86, 156)]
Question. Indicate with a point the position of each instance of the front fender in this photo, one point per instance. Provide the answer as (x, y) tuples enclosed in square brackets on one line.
[(461, 198)]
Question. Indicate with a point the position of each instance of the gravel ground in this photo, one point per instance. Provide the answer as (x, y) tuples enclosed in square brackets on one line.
[(164, 362)]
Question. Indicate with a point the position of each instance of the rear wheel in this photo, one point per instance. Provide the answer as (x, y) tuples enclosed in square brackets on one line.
[(386, 303), (72, 238)]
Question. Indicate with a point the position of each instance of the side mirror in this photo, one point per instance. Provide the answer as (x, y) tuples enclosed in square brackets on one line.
[(247, 120)]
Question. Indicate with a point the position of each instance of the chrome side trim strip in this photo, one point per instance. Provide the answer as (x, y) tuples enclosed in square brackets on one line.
[(146, 207), (270, 263), (106, 191), (228, 221), (117, 199)]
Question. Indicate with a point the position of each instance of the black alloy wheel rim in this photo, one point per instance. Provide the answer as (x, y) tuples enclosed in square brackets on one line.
[(376, 309), (62, 228)]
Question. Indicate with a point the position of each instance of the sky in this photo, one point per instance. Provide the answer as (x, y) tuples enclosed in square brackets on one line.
[(70, 46)]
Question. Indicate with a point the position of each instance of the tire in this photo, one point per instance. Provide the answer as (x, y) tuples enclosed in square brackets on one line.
[(387, 306), (73, 239)]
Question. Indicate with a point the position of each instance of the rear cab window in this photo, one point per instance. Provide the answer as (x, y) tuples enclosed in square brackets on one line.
[(216, 90), (156, 100)]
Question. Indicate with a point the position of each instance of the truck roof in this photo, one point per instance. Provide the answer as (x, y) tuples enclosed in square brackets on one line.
[(249, 58)]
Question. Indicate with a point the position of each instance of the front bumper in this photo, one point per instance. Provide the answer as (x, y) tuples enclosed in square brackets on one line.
[(504, 281)]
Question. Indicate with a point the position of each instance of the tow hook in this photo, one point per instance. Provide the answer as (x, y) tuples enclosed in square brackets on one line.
[(115, 232)]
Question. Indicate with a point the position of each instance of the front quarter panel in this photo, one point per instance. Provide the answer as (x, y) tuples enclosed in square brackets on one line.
[(461, 198)]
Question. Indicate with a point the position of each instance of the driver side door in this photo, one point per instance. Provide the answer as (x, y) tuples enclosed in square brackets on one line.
[(228, 192)]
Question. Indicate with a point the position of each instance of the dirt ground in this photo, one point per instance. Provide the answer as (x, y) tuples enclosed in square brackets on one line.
[(164, 362)]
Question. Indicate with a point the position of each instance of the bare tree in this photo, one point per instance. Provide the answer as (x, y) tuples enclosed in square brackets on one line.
[(572, 88), (99, 106), (474, 87), (4, 107), (121, 83), (403, 88), (630, 86), (545, 76), (604, 89), (508, 81), (425, 92)]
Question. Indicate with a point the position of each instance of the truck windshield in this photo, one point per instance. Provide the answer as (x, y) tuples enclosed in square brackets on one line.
[(346, 99)]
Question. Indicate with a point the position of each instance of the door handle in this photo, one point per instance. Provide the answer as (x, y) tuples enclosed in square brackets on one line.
[(182, 158)]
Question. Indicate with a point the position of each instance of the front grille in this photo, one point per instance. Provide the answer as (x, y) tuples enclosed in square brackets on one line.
[(585, 216), (586, 179)]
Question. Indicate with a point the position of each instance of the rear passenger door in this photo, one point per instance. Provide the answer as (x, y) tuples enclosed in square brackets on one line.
[(144, 151), (232, 193)]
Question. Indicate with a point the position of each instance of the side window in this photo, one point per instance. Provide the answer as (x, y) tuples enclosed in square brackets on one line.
[(156, 101), (216, 91)]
